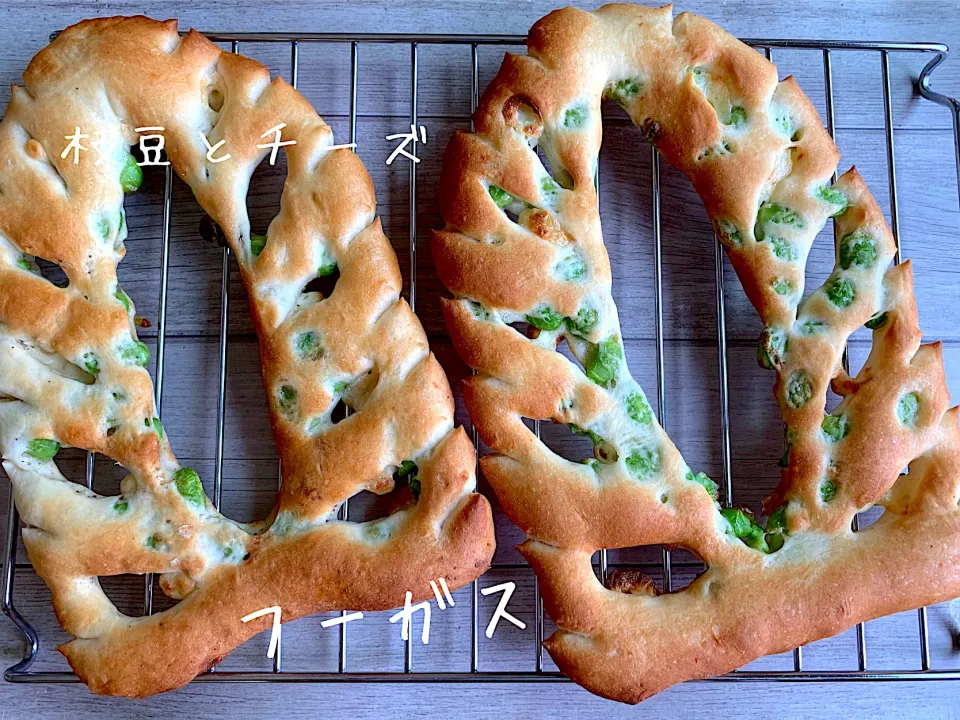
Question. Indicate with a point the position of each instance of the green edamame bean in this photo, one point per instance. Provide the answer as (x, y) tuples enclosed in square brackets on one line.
[(835, 427), (908, 407), (135, 352), (857, 248), (784, 125), (287, 399), (713, 490), (500, 196), (623, 90), (828, 491), (799, 389), (407, 467), (643, 462), (327, 268), (784, 250), (738, 116), (415, 488), (810, 327), (583, 322), (189, 486), (638, 409), (833, 197), (729, 232), (771, 347), (308, 346), (777, 521), (571, 268), (746, 528), (43, 448), (90, 363), (772, 216), (603, 361), (123, 298), (131, 176), (545, 319), (479, 311), (575, 117), (548, 187), (840, 292)]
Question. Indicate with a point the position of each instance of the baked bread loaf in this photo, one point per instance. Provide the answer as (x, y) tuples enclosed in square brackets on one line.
[(523, 254), (72, 369)]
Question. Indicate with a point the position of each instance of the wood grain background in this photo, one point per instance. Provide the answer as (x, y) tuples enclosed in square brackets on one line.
[(929, 225)]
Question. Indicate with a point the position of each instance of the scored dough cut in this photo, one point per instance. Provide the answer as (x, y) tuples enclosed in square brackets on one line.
[(72, 370), (523, 245)]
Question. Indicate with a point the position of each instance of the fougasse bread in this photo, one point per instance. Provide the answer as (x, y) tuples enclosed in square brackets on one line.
[(523, 255), (72, 369)]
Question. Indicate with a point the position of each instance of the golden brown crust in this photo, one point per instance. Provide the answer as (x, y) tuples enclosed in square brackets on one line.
[(71, 367), (523, 245), (326, 569), (630, 646)]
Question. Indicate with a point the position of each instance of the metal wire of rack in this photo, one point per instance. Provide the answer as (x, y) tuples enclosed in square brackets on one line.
[(21, 672)]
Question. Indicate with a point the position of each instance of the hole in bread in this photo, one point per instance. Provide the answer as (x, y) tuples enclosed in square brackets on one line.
[(544, 160), (108, 475), (553, 164), (350, 394), (265, 189), (72, 464), (564, 348), (360, 390), (575, 443), (639, 570), (324, 285), (366, 505), (512, 214), (340, 411), (126, 592), (718, 93), (54, 362), (525, 329), (869, 516), (53, 272)]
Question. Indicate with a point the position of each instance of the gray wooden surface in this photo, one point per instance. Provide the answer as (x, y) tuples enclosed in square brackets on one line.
[(930, 233)]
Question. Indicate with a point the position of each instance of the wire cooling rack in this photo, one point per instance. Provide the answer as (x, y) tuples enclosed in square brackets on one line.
[(21, 672)]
